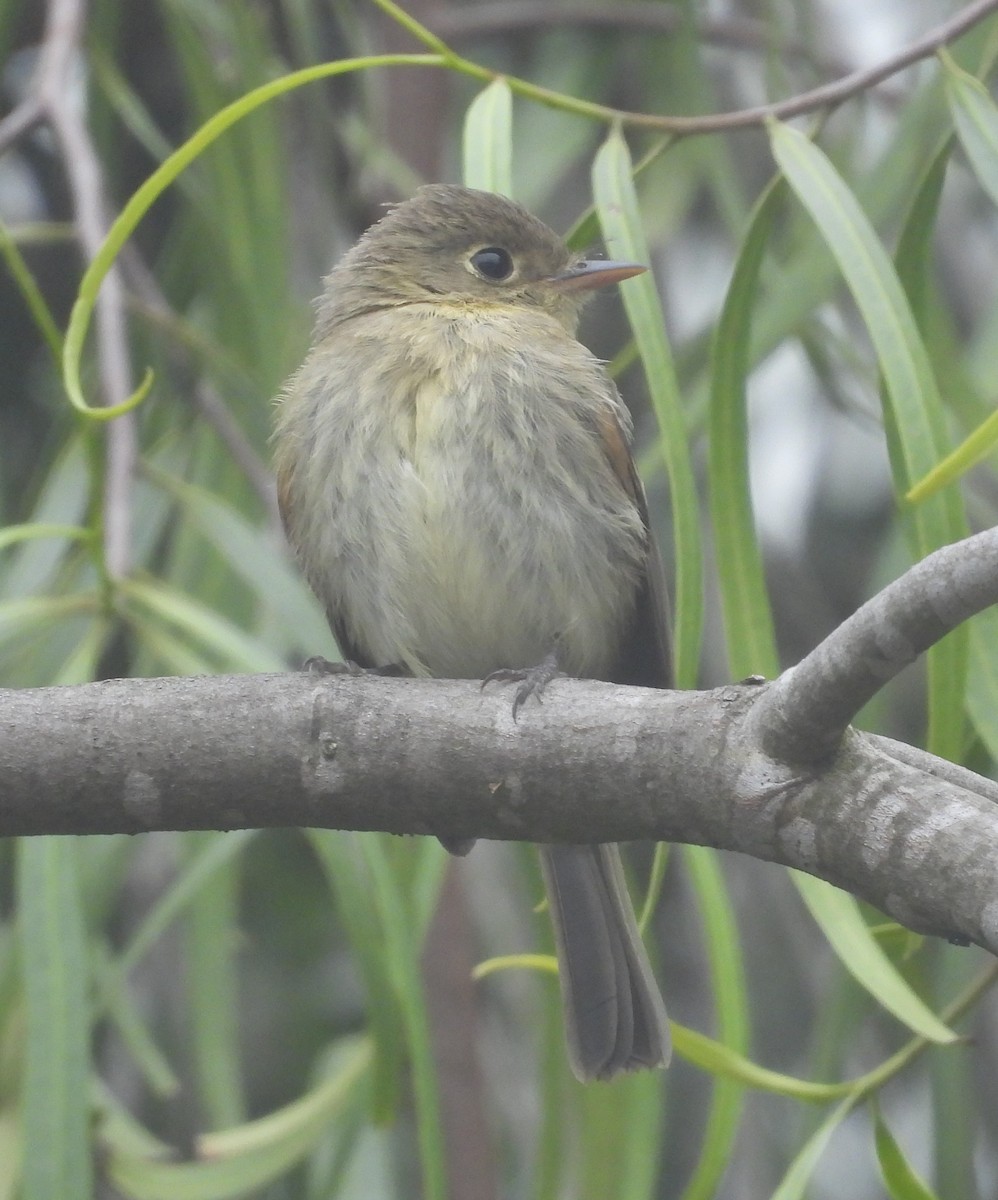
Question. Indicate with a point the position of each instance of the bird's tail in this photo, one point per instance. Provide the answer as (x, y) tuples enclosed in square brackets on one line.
[(614, 1014)]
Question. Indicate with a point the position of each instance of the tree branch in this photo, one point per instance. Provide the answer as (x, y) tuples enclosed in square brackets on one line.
[(809, 707), (595, 762)]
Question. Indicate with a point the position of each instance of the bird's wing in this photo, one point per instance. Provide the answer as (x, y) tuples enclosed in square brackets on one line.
[(645, 658), (350, 651)]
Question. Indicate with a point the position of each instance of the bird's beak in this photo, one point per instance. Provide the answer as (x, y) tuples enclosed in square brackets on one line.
[(593, 273)]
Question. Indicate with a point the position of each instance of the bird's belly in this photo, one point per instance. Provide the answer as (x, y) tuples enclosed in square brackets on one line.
[(473, 521), (471, 567)]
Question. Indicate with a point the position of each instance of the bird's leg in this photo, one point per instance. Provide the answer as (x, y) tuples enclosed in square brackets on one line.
[(532, 680)]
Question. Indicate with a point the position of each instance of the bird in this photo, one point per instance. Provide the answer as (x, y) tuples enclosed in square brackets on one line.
[(455, 476)]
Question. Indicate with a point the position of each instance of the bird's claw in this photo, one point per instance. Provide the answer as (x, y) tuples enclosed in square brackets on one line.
[(317, 665), (532, 680)]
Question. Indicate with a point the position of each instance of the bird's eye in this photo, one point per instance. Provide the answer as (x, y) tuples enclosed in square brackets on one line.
[(493, 263)]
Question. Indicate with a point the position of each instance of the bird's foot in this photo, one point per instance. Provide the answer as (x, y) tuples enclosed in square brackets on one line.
[(532, 680), (317, 665)]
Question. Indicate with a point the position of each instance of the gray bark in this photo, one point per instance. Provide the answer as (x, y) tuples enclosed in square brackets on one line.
[(594, 762)]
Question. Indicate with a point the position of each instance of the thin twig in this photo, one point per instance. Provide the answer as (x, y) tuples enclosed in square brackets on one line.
[(826, 96), (53, 98), (492, 19), (19, 121)]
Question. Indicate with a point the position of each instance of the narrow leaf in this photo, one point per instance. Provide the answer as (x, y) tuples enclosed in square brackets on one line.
[(910, 385), (216, 854), (731, 1006), (137, 1039), (718, 1059), (620, 220), (954, 466), (841, 921), (157, 183), (250, 552), (20, 617), (793, 1185), (915, 418), (209, 629), (976, 120), (947, 662), (57, 1158), (900, 1177), (402, 950), (619, 1135), (212, 986), (546, 963), (488, 140), (243, 1159), (31, 293), (748, 620), (338, 855)]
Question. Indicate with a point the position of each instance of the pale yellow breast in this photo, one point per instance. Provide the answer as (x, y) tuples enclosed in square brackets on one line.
[(463, 514)]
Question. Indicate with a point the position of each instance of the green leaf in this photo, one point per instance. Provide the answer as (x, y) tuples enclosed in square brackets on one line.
[(947, 662), (350, 885), (402, 944), (718, 1059), (57, 1159), (488, 140), (142, 200), (81, 664), (211, 943), (619, 1137), (841, 921), (125, 101), (900, 1178), (30, 293), (915, 267), (118, 1128), (794, 1183), (250, 551), (731, 1006), (620, 220), (915, 417), (910, 385), (954, 466), (10, 1155), (34, 565), (748, 620), (170, 654), (653, 892), (21, 617), (430, 862), (138, 1040), (217, 852), (251, 1155), (975, 118), (237, 649), (545, 963)]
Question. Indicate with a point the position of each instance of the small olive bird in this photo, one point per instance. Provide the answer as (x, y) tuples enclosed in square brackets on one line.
[(455, 475)]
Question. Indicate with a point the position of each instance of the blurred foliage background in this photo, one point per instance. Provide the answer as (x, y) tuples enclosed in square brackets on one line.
[(292, 1014)]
